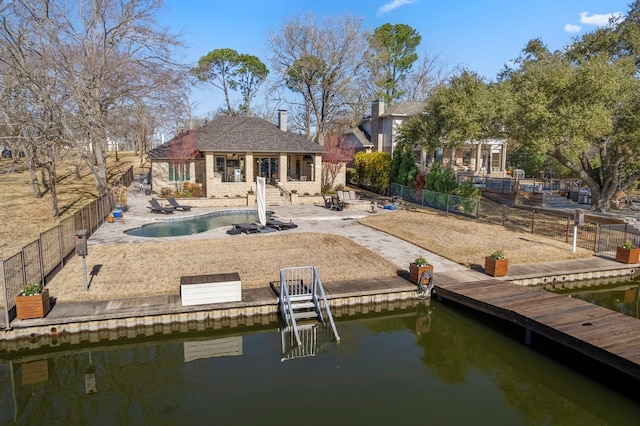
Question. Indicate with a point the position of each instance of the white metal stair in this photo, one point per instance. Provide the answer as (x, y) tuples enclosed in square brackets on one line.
[(301, 298)]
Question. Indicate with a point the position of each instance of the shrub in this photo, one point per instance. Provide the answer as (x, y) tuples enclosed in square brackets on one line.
[(421, 261), (31, 289), (498, 255)]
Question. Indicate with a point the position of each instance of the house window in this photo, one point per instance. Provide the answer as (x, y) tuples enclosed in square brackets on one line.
[(179, 172)]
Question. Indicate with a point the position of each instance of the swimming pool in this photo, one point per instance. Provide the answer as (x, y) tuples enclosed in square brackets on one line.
[(194, 225)]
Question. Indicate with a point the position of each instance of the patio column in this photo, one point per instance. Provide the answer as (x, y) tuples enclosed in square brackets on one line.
[(249, 176), (478, 157), (503, 157), (208, 172), (283, 167)]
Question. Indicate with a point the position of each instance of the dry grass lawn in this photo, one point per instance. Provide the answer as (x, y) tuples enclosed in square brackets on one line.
[(128, 270), (23, 216), (466, 241)]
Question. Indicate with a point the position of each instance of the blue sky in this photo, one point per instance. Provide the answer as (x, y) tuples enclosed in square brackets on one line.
[(479, 35)]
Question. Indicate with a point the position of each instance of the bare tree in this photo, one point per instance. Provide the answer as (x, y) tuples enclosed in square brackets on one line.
[(427, 75), (334, 160), (104, 53), (321, 62)]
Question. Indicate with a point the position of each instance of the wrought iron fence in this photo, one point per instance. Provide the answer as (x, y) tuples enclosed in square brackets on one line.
[(39, 260), (596, 234), (449, 203)]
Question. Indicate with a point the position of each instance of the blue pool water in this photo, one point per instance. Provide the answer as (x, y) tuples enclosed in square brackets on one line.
[(195, 225)]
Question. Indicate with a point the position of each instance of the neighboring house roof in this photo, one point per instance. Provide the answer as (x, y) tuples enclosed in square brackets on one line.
[(361, 135), (240, 134), (404, 109)]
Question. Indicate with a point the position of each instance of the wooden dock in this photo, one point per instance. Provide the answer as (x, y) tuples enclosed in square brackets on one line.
[(599, 333)]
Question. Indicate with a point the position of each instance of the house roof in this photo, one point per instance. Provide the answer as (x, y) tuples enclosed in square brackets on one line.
[(361, 135), (404, 108), (240, 134)]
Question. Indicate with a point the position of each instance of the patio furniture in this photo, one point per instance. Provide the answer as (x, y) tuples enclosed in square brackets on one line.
[(178, 206), (280, 226), (157, 208)]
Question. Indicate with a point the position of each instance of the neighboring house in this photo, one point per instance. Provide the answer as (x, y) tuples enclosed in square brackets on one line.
[(379, 132), (226, 155)]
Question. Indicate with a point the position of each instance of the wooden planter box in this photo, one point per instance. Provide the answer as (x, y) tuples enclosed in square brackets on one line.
[(495, 267), (415, 272), (35, 306), (627, 255)]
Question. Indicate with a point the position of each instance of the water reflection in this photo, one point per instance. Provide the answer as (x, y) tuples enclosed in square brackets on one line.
[(432, 363), (620, 296)]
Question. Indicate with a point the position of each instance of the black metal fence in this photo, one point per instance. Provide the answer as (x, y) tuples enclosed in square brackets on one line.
[(38, 261), (446, 202), (601, 235)]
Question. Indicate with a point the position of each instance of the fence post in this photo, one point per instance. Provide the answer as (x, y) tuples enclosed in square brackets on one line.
[(41, 262), (596, 243), (23, 267), (6, 296), (60, 246), (447, 203), (477, 209), (533, 220)]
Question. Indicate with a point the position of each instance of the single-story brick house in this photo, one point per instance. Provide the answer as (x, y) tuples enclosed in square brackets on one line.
[(226, 155)]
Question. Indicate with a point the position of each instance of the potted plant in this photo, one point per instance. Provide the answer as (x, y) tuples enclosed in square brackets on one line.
[(417, 268), (496, 264), (32, 302), (627, 253)]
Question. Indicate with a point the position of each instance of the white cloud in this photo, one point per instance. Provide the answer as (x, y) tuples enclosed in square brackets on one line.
[(393, 5), (571, 28), (598, 20)]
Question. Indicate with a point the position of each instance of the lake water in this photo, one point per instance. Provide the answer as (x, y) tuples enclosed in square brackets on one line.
[(437, 364), (619, 296)]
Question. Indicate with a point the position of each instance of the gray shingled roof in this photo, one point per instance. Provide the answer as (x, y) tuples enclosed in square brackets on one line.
[(404, 108), (242, 134)]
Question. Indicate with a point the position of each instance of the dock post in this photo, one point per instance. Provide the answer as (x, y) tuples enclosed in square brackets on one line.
[(528, 337)]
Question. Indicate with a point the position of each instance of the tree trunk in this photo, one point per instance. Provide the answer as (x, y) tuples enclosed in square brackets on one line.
[(54, 195), (33, 176), (45, 179)]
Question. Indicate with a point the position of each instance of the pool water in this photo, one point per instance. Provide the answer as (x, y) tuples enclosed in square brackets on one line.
[(194, 225)]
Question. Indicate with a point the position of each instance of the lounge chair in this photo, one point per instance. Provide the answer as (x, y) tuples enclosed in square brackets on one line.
[(279, 225), (336, 203), (157, 208), (178, 206), (327, 201), (247, 228)]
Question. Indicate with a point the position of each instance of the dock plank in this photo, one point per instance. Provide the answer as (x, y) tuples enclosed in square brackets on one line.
[(604, 335)]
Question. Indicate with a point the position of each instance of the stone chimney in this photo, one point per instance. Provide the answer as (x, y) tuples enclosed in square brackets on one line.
[(377, 109), (282, 119)]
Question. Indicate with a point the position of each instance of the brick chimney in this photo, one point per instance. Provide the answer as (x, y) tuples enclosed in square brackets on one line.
[(282, 119)]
